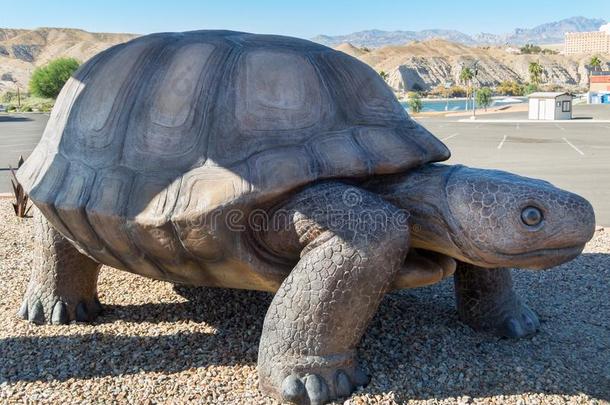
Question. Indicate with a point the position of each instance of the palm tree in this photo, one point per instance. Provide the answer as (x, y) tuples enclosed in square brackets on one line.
[(466, 76), (535, 70), (595, 63)]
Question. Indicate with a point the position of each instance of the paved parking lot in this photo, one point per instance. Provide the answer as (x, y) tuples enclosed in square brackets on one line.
[(19, 133), (574, 156)]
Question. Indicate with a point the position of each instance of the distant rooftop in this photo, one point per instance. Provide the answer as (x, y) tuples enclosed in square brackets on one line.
[(548, 94), (602, 73)]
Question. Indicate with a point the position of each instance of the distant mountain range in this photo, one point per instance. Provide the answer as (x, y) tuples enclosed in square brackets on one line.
[(423, 64), (549, 33)]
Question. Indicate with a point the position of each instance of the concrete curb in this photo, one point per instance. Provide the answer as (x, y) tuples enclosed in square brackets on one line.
[(4, 113), (575, 122)]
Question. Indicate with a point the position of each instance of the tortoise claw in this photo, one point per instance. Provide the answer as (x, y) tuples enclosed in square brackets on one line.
[(321, 388), (524, 323)]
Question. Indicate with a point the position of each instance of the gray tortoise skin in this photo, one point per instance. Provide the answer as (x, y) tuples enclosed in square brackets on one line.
[(226, 159)]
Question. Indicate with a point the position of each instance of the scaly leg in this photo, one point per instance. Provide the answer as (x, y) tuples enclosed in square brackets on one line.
[(353, 243), (63, 283), (486, 301)]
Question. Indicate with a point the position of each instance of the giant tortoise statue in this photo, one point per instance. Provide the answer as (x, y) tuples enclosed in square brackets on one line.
[(227, 159)]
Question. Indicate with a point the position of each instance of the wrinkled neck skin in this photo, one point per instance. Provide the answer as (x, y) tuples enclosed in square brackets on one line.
[(421, 193), (489, 218)]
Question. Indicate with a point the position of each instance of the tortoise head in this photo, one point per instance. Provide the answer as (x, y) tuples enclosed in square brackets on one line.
[(492, 218), (502, 219)]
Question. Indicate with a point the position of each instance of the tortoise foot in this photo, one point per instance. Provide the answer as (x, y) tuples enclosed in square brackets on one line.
[(510, 319), (487, 302), (55, 310), (322, 386), (521, 322), (63, 284)]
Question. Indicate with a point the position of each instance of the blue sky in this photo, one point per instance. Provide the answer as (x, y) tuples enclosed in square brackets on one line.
[(298, 18)]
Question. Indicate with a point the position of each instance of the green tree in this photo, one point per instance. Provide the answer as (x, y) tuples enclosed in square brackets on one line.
[(466, 76), (484, 97), (595, 63), (457, 91), (384, 75), (508, 88), (414, 102), (530, 88), (535, 70), (48, 80), (530, 48)]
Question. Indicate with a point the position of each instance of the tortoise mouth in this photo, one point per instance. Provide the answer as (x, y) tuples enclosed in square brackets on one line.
[(543, 258)]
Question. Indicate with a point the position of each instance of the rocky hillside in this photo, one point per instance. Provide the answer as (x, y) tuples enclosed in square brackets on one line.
[(21, 51), (431, 63), (549, 33), (423, 64)]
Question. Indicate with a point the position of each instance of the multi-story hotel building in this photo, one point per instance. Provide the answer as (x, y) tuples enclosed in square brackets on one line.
[(587, 42)]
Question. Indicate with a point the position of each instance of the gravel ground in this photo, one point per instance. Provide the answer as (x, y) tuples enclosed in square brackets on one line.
[(152, 345)]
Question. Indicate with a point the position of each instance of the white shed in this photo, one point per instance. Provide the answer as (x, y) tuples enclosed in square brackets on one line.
[(550, 106)]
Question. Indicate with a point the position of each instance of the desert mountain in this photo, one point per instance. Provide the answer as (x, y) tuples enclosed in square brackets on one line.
[(435, 62), (418, 64), (21, 51), (550, 33)]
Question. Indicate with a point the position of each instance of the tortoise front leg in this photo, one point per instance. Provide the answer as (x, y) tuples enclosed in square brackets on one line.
[(486, 301), (63, 283), (353, 243)]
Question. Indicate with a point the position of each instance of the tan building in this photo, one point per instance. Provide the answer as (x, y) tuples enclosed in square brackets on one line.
[(587, 42)]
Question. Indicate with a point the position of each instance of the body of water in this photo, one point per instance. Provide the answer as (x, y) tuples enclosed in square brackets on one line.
[(462, 104)]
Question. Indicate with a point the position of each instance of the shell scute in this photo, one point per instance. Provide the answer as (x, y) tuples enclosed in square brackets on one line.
[(340, 156), (277, 91)]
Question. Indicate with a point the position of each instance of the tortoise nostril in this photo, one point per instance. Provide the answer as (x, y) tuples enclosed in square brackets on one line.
[(531, 216)]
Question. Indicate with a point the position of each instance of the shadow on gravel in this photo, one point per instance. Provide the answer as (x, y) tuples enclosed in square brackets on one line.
[(9, 118), (416, 347), (224, 308), (236, 315)]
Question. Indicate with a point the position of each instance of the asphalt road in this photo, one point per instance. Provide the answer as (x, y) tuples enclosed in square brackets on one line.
[(572, 156), (19, 133)]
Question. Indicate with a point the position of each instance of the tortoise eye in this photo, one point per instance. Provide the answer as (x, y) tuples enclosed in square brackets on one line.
[(531, 216)]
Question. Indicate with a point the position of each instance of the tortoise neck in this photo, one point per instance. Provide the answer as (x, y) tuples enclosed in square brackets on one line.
[(422, 193)]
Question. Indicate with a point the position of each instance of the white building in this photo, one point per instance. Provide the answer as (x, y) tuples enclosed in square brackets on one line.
[(550, 106)]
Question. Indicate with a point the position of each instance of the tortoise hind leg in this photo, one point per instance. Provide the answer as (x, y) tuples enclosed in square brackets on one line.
[(486, 301), (352, 247), (63, 282)]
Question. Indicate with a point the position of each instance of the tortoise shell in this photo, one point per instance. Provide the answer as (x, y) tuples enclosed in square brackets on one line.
[(151, 136)]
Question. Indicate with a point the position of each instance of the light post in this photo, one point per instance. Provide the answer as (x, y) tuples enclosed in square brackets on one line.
[(447, 87)]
